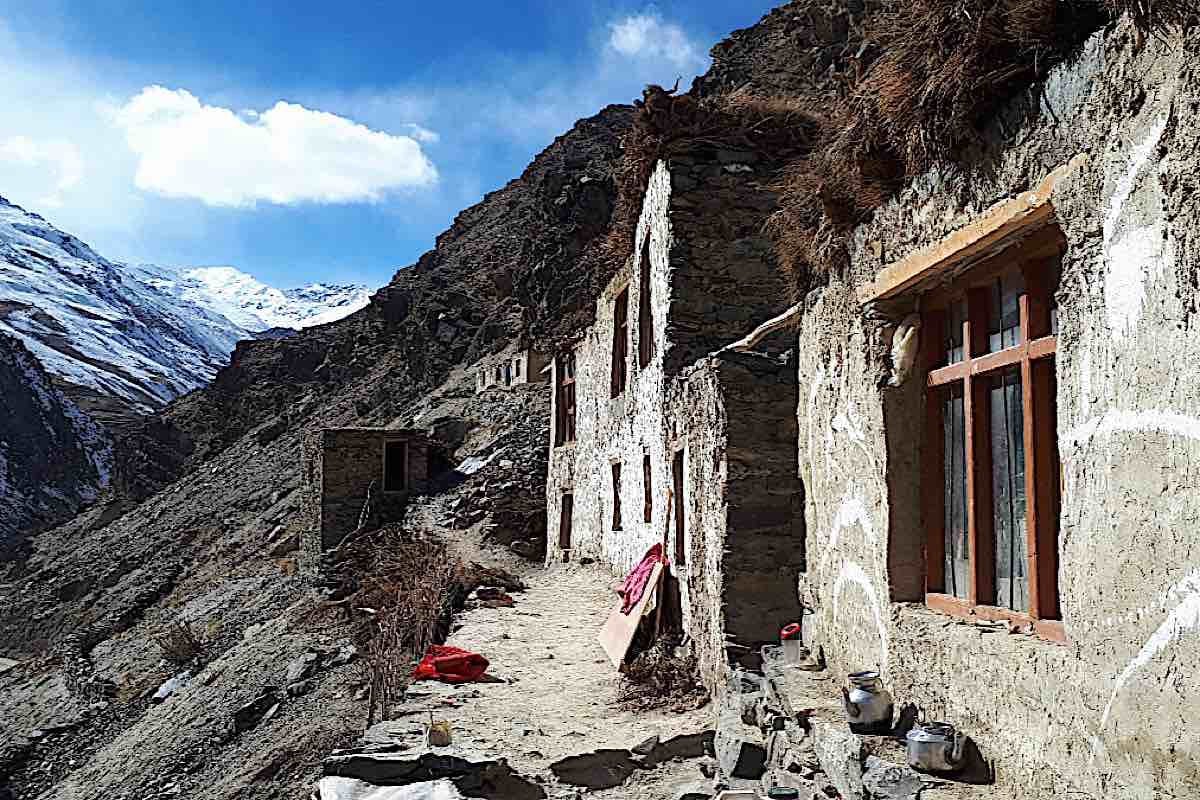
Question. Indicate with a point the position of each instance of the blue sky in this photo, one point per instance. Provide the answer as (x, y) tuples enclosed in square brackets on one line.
[(307, 141)]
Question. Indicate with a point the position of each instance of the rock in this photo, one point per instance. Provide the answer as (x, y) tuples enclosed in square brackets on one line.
[(738, 746), (6, 664), (299, 687), (646, 747), (884, 780), (344, 655), (601, 769), (249, 715), (474, 774), (170, 686), (288, 544), (302, 667), (351, 789), (841, 755)]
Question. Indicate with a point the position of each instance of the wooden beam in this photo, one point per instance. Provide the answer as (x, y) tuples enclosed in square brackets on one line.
[(933, 458), (788, 319), (1017, 216), (1008, 357), (980, 530)]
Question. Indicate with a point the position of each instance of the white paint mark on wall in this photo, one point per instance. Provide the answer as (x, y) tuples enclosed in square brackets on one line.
[(1137, 252), (847, 423), (1119, 420), (852, 511), (853, 573), (1183, 618)]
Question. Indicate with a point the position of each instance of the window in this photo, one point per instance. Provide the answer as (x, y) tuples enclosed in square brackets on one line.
[(677, 481), (647, 490), (991, 475), (564, 426), (645, 311), (620, 347), (508, 374), (565, 521), (616, 496), (395, 466)]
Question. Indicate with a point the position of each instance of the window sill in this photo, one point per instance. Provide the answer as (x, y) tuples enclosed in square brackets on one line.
[(1051, 630)]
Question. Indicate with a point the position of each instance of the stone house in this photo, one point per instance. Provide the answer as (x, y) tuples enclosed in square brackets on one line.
[(349, 472), (511, 368), (647, 403), (999, 420)]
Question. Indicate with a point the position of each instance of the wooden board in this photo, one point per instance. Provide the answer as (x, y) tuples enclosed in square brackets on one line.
[(617, 633)]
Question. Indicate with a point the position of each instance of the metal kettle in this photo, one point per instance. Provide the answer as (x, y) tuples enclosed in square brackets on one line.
[(868, 705), (934, 747)]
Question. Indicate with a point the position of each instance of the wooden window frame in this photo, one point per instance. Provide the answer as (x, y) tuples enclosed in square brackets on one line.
[(620, 343), (566, 521), (1034, 357), (565, 402), (616, 496), (645, 309), (647, 489)]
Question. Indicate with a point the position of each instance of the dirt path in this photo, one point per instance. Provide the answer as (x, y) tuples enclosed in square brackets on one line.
[(556, 690)]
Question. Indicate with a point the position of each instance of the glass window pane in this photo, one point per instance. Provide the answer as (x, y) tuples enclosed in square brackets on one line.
[(1008, 490), (957, 565), (1004, 322), (955, 316)]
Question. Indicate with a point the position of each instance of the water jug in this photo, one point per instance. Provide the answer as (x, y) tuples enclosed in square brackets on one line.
[(934, 747), (794, 651), (868, 705)]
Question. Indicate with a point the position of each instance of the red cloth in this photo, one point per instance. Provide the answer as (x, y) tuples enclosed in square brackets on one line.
[(450, 665), (634, 587)]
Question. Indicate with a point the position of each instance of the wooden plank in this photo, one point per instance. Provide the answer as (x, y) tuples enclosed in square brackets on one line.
[(619, 629), (933, 472), (991, 362), (980, 530)]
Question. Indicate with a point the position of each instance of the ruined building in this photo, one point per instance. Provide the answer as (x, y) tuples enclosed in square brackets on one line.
[(513, 367), (1030, 455), (658, 437)]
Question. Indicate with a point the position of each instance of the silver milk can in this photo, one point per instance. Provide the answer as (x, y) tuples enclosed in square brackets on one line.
[(934, 747), (868, 705)]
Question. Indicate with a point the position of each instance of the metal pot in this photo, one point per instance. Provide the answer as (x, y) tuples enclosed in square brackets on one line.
[(935, 747), (868, 705)]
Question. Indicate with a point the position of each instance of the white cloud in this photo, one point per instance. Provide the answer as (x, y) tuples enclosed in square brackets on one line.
[(423, 135), (649, 36), (57, 155), (284, 155)]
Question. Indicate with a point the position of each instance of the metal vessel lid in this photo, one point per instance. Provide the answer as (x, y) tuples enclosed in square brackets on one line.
[(931, 732)]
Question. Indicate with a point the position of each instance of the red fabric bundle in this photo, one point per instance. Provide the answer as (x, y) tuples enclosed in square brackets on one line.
[(450, 665), (635, 582)]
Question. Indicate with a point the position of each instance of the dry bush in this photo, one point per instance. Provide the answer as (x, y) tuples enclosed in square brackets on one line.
[(660, 679), (407, 588), (178, 642), (1156, 16)]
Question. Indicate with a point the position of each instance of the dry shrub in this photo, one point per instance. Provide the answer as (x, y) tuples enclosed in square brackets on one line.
[(659, 678), (408, 587), (178, 642)]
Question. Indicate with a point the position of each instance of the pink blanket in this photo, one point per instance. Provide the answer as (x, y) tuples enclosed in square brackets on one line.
[(634, 587)]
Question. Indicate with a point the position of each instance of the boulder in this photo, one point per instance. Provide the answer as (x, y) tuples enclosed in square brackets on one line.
[(601, 769), (351, 789), (738, 746), (302, 667), (841, 754)]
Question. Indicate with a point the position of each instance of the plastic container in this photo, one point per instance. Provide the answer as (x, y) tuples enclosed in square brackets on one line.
[(794, 651)]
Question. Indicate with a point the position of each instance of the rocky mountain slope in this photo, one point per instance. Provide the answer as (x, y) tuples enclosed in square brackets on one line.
[(119, 336), (53, 458)]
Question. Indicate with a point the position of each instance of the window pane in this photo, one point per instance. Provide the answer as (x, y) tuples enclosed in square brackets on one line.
[(955, 493), (1004, 323), (955, 317), (1008, 490)]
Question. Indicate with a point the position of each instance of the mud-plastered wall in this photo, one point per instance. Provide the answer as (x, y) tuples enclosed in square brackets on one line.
[(1114, 712)]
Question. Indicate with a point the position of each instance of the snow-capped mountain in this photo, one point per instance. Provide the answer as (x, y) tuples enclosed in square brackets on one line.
[(142, 334)]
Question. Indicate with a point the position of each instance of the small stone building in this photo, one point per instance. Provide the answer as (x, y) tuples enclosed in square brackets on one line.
[(508, 369), (352, 472), (645, 404), (1037, 465)]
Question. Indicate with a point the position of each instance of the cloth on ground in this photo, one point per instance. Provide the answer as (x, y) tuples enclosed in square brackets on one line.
[(450, 665), (634, 587)]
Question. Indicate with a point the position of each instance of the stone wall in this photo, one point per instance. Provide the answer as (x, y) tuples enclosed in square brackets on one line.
[(1114, 712), (342, 466)]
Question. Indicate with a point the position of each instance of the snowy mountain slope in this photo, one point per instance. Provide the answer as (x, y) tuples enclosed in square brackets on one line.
[(53, 458), (141, 334)]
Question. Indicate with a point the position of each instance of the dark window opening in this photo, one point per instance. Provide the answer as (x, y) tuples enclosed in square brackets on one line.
[(677, 480), (620, 345), (616, 497), (564, 427), (645, 311), (993, 524), (395, 466), (648, 490), (565, 521), (508, 374)]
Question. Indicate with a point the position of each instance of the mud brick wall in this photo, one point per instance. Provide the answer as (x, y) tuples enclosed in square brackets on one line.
[(1114, 712)]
